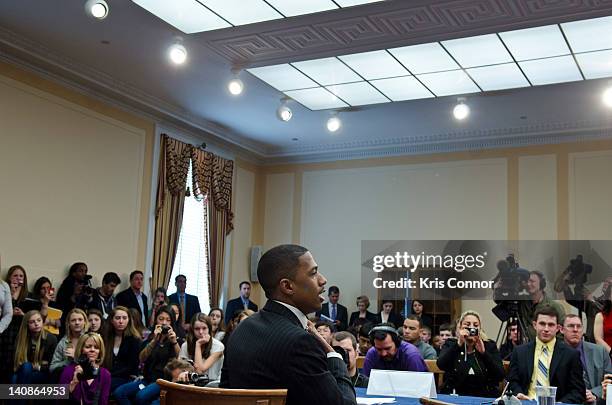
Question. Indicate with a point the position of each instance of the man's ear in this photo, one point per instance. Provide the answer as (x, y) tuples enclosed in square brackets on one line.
[(286, 286)]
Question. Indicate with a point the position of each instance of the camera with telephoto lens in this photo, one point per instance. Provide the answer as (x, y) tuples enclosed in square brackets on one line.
[(165, 329), (472, 331), (199, 380), (89, 372)]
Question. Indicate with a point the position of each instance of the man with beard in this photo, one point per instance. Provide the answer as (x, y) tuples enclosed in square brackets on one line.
[(389, 352)]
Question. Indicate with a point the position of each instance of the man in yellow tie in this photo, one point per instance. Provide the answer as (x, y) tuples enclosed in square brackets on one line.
[(547, 362)]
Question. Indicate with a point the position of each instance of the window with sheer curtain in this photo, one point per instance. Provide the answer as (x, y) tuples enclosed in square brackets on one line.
[(191, 256)]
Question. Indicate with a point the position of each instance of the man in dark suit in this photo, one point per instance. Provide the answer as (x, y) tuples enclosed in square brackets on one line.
[(336, 313), (278, 347), (133, 297), (547, 362), (594, 358), (189, 304), (241, 303)]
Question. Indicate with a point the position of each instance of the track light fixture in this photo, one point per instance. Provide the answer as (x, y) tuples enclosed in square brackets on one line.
[(283, 112), (461, 110), (606, 96), (97, 9), (235, 86), (177, 52), (334, 123)]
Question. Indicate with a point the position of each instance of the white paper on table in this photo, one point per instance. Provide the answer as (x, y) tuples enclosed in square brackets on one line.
[(372, 401), (402, 384), (609, 394)]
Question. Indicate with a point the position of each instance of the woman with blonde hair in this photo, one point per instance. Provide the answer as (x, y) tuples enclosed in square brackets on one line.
[(88, 381), (362, 315), (77, 325), (471, 362), (33, 351)]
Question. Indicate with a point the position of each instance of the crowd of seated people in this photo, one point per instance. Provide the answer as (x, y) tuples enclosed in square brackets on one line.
[(114, 346)]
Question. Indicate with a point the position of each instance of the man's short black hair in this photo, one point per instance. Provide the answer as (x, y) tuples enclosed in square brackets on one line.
[(415, 318), (111, 277), (134, 273), (180, 276), (243, 282), (278, 263), (325, 323), (547, 310), (333, 290), (445, 326), (365, 329)]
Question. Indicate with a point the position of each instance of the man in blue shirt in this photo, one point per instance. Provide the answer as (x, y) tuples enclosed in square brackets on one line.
[(389, 352)]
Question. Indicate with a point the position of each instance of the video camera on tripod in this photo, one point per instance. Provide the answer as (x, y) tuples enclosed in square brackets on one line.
[(510, 280)]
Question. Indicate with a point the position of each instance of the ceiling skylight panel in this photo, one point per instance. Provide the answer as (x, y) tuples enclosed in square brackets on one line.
[(282, 77), (316, 99), (291, 8), (595, 65), (348, 3), (327, 71), (374, 65), (188, 16), (478, 51), (535, 43), (589, 35), (402, 88), (498, 77), (552, 70), (424, 58), (241, 12), (449, 83), (361, 93)]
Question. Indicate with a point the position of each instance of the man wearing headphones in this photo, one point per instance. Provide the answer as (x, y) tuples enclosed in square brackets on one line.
[(389, 352), (538, 299)]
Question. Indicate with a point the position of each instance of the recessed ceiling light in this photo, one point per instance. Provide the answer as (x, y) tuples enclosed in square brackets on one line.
[(177, 53), (97, 9)]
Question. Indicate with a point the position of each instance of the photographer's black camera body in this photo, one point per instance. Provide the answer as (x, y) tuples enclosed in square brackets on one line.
[(89, 372)]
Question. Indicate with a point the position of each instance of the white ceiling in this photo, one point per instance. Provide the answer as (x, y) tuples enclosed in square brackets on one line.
[(124, 58)]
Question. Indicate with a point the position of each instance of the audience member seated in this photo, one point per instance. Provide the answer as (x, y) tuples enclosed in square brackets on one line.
[(538, 298), (347, 341), (412, 334), (547, 361), (418, 309), (240, 316), (43, 293), (389, 352), (594, 358), (362, 315), (386, 315), (205, 351), (189, 304), (471, 362), (426, 334), (241, 303), (161, 347), (160, 299), (103, 297), (6, 306), (122, 343), (363, 338), (325, 329), (335, 312), (437, 343), (33, 351), (96, 321), (73, 292), (17, 280), (218, 324), (446, 332), (505, 351), (181, 334), (88, 382), (77, 325), (602, 329), (143, 331), (133, 297), (176, 371)]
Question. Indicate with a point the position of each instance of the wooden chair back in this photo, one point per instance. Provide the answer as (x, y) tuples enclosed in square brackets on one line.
[(179, 394), (432, 367)]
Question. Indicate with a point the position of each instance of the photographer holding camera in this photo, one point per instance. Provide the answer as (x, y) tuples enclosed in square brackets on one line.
[(89, 383), (471, 362), (75, 291), (161, 347)]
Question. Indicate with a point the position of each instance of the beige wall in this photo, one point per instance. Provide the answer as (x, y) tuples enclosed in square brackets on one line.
[(75, 178)]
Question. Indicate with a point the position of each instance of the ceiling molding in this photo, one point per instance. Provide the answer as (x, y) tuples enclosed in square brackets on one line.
[(386, 25), (32, 56)]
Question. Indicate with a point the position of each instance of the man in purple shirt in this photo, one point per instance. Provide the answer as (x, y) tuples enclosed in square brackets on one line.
[(389, 352)]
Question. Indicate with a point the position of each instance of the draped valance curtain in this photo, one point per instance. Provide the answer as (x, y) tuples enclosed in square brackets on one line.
[(212, 177)]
